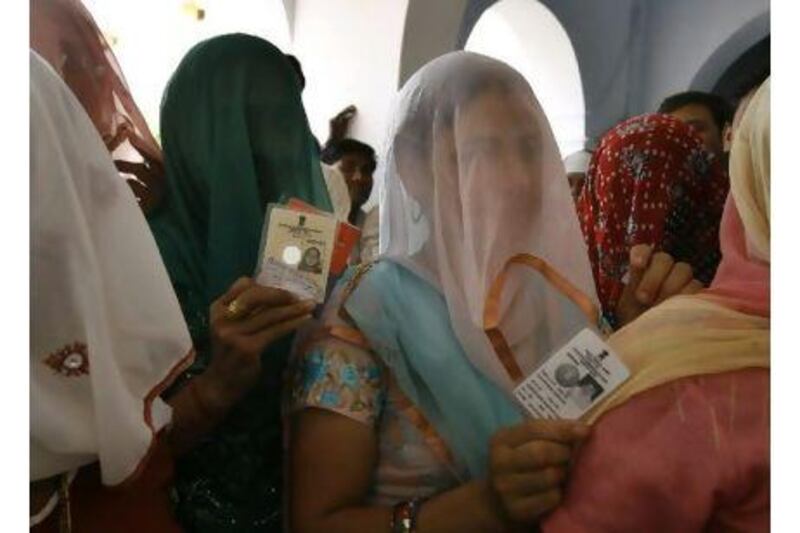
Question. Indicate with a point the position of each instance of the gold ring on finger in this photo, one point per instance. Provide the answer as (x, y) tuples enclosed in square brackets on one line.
[(235, 310)]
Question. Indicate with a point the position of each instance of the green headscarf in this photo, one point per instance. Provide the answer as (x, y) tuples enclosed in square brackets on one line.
[(235, 137)]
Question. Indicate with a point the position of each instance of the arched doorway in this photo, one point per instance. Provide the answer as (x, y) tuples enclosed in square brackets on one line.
[(527, 36), (744, 52), (752, 65)]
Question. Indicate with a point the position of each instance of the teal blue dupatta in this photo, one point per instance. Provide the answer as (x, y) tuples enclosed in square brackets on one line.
[(407, 324)]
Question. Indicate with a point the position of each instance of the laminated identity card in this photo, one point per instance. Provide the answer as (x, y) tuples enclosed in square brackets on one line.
[(574, 379), (347, 236), (296, 251)]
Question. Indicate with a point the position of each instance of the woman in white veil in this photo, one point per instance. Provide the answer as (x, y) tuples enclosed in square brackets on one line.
[(483, 275)]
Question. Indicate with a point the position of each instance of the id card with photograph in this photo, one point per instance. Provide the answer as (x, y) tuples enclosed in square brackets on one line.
[(347, 236), (296, 252), (573, 380)]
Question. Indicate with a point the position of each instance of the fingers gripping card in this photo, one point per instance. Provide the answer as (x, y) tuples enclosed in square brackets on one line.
[(296, 252), (573, 380)]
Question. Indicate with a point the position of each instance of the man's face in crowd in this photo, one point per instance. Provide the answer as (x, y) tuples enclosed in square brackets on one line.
[(355, 168), (701, 120), (576, 181)]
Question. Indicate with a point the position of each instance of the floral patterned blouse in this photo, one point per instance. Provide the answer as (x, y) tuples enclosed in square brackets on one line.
[(352, 381)]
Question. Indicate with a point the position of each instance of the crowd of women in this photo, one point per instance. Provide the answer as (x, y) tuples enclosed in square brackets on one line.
[(170, 391)]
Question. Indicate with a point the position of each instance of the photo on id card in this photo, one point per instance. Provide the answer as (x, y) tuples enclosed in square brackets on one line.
[(296, 250)]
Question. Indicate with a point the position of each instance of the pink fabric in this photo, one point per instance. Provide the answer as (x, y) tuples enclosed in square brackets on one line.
[(741, 283), (64, 33), (692, 455)]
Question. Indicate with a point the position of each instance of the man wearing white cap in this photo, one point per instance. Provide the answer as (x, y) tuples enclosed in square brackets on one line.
[(577, 164)]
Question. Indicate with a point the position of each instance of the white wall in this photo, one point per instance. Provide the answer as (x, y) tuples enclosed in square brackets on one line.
[(350, 51), (527, 36), (431, 30), (152, 37)]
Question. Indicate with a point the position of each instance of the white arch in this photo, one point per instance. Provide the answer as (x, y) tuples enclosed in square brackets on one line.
[(527, 36), (150, 38)]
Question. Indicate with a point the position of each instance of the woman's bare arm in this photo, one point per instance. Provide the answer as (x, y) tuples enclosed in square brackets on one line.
[(332, 467)]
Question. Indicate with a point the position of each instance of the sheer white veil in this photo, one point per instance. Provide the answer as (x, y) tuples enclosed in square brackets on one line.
[(474, 195)]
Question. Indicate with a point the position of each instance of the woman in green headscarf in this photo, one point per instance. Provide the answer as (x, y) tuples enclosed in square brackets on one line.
[(235, 138)]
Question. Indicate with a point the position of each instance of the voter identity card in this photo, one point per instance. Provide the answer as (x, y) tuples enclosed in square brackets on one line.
[(573, 380), (347, 236), (296, 252)]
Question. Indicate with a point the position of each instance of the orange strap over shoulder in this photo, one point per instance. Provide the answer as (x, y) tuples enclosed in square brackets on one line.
[(491, 313)]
